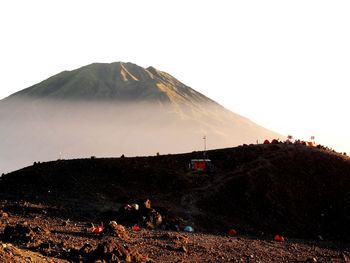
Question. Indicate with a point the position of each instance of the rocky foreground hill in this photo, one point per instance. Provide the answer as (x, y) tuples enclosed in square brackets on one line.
[(259, 191)]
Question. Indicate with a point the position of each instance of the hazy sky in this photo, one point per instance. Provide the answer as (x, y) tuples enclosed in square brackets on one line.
[(283, 64)]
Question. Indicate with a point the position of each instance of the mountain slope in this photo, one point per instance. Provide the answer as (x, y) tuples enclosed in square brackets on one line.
[(114, 109), (293, 190)]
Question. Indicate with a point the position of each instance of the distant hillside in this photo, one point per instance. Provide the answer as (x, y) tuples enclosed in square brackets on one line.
[(114, 109), (293, 190)]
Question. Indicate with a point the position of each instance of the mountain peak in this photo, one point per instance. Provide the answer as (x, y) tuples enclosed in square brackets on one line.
[(124, 71), (117, 81)]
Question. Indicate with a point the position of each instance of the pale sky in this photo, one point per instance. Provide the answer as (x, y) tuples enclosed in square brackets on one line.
[(283, 64)]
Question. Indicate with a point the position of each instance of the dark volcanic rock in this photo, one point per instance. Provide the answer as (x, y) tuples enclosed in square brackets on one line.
[(21, 233), (293, 190)]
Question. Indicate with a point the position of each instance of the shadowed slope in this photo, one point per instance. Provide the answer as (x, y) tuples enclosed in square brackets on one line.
[(287, 189)]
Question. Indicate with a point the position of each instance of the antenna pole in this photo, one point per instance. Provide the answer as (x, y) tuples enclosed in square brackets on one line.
[(205, 143)]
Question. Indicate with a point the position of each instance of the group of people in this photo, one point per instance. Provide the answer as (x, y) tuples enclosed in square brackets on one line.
[(301, 142)]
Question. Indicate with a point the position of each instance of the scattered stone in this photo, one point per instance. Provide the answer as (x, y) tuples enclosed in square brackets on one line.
[(42, 230), (118, 230), (45, 245), (311, 260), (4, 215), (182, 238), (176, 248), (183, 249), (179, 240), (345, 257), (110, 251), (86, 249), (21, 233), (152, 219)]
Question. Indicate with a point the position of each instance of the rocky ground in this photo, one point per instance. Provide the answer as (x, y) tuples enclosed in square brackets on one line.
[(41, 237), (50, 212)]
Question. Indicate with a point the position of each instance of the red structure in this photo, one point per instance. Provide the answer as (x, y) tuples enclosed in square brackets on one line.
[(202, 165)]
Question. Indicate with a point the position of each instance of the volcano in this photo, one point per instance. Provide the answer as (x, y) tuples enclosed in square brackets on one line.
[(114, 109)]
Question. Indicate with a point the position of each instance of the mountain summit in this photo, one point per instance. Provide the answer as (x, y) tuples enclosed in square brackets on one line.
[(119, 81), (114, 109)]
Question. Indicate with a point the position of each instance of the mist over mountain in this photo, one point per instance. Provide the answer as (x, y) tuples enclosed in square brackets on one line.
[(113, 109)]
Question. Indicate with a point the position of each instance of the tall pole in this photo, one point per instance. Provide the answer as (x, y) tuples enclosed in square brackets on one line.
[(205, 143)]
